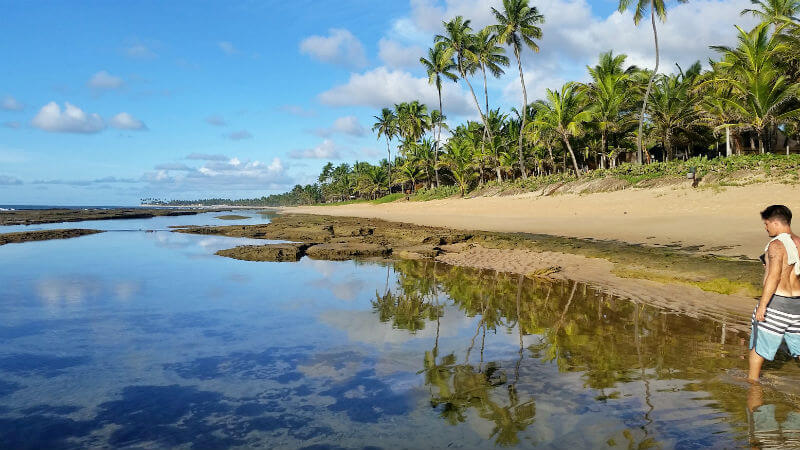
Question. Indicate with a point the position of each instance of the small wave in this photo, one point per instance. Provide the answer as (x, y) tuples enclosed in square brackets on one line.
[(7, 209)]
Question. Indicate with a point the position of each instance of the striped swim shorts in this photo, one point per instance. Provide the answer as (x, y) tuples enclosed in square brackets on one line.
[(781, 322)]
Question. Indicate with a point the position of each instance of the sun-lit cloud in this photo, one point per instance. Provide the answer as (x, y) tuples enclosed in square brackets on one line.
[(326, 150), (231, 174), (339, 47), (125, 121), (343, 125), (381, 87), (69, 120), (103, 81), (397, 56)]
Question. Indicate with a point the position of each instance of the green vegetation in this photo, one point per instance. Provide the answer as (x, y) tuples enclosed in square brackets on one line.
[(626, 122), (233, 217)]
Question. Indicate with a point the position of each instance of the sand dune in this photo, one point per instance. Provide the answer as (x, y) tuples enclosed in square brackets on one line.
[(723, 221)]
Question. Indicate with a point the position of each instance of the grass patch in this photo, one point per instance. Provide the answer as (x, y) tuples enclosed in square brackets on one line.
[(388, 198), (719, 285), (435, 193), (233, 217)]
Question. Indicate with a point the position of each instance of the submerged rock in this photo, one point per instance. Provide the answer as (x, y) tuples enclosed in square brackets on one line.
[(44, 235), (340, 251), (269, 252)]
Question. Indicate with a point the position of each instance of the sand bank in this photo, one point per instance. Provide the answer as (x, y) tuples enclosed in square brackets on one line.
[(721, 221)]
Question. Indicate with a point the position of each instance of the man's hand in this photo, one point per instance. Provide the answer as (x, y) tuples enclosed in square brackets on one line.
[(760, 312)]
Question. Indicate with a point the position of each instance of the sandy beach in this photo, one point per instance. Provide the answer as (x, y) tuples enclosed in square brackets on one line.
[(722, 221)]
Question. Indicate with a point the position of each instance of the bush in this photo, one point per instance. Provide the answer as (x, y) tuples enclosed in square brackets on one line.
[(435, 193), (388, 198)]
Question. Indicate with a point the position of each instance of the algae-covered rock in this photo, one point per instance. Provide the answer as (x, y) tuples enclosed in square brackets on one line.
[(269, 252), (44, 235), (416, 252), (341, 251)]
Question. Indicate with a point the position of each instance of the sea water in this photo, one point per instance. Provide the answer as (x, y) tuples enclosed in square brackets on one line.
[(135, 339)]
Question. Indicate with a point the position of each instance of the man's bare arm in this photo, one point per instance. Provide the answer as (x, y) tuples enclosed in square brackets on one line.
[(772, 278)]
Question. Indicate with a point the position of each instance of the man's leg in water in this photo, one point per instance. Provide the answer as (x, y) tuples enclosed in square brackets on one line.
[(756, 361)]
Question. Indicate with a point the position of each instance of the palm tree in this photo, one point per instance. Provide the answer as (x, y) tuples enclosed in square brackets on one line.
[(761, 91), (488, 55), (386, 125), (564, 112), (673, 105), (439, 64), (515, 25), (656, 7), (775, 12), (458, 159), (412, 120), (609, 94), (458, 37)]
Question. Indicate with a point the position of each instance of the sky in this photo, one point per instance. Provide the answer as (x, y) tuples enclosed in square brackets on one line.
[(106, 103)]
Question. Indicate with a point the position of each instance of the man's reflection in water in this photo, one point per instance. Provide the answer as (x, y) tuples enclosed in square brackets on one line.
[(765, 430)]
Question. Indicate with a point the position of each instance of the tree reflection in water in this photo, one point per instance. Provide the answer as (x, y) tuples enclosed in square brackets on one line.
[(608, 340)]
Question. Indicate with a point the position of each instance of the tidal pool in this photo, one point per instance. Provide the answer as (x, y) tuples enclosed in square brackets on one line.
[(149, 340)]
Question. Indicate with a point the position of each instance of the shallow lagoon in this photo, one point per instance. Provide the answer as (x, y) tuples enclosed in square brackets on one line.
[(149, 340)]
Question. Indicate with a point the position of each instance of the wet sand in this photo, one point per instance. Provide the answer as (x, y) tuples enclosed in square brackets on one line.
[(718, 220)]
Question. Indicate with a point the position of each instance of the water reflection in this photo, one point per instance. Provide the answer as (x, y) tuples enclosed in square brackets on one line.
[(164, 348)]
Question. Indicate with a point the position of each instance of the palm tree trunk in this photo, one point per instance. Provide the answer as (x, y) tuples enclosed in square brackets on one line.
[(523, 111), (485, 88), (603, 148), (552, 159), (649, 86), (389, 151), (728, 141), (572, 154), (475, 98), (438, 137)]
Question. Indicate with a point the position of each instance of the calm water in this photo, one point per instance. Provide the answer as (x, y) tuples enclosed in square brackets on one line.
[(148, 340)]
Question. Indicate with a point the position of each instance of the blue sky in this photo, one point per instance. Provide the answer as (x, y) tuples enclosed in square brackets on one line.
[(109, 102)]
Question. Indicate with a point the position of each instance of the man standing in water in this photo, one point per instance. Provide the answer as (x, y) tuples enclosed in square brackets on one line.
[(777, 316)]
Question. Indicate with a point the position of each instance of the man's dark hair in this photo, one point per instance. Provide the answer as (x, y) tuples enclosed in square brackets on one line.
[(777, 212)]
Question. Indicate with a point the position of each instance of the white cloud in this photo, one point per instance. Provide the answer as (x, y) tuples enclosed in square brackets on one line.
[(239, 135), (173, 166), (397, 56), (573, 36), (297, 110), (104, 81), (139, 51), (344, 125), (71, 120), (338, 47), (217, 121), (326, 150), (7, 180), (206, 157), (9, 103), (381, 87), (227, 47), (232, 174), (125, 121)]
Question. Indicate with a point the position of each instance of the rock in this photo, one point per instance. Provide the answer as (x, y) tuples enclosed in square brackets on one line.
[(44, 235), (416, 252), (269, 252), (346, 250)]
